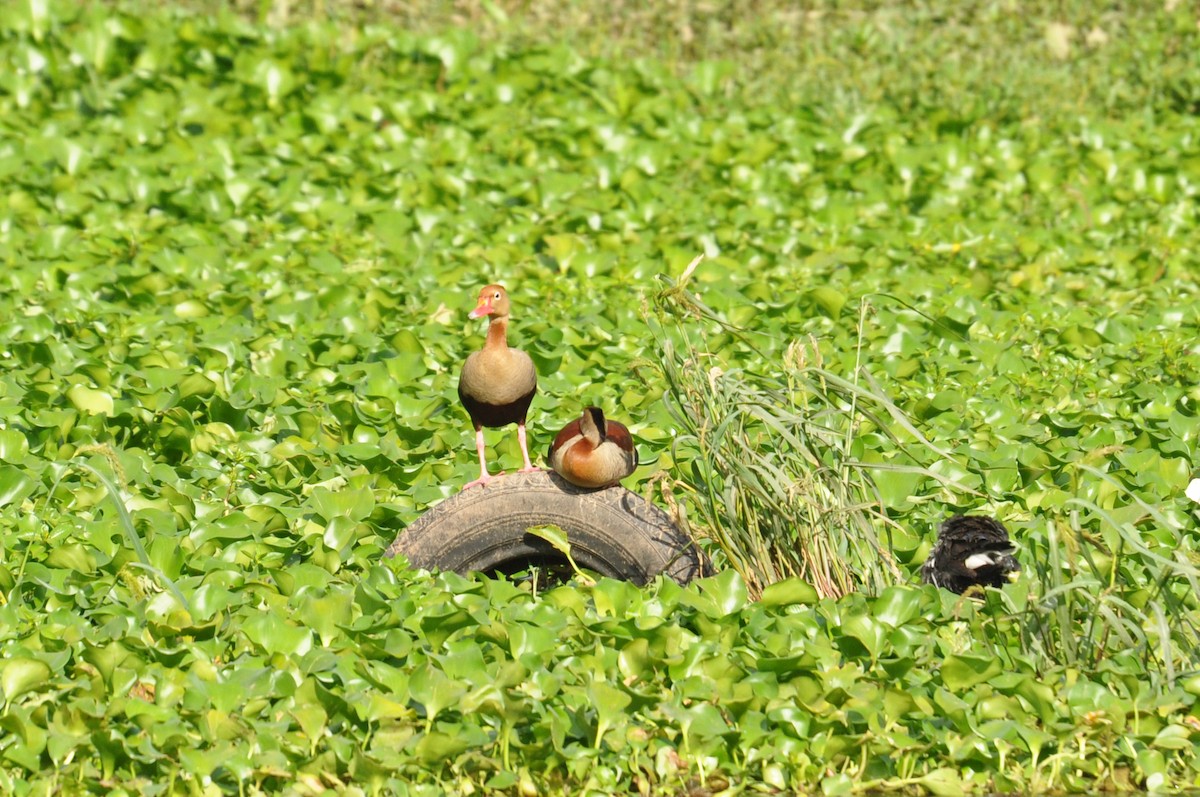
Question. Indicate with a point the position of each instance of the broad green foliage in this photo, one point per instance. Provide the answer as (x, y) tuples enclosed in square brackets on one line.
[(235, 265)]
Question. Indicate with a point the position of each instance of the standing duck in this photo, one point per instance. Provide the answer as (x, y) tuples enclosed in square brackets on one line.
[(497, 383), (970, 552), (593, 452)]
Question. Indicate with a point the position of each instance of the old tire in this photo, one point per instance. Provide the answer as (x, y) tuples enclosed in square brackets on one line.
[(612, 532)]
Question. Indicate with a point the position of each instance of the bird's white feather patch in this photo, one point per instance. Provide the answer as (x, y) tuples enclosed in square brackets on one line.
[(978, 560)]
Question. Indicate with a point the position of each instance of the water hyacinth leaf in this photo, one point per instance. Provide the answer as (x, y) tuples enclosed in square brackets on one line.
[(896, 606), (383, 708), (1040, 696), (276, 635), (528, 640), (15, 486), (615, 598), (326, 613), (340, 532), (13, 446), (199, 763), (312, 720), (837, 785), (864, 628), (725, 593), (90, 400), (702, 722), (502, 780), (1152, 766), (274, 79), (788, 592), (829, 300), (209, 599), (353, 504), (21, 674), (962, 671), (431, 688), (73, 557), (557, 538), (634, 660), (1173, 737), (942, 782), (609, 703), (795, 720), (464, 664), (553, 535), (438, 746), (23, 754)]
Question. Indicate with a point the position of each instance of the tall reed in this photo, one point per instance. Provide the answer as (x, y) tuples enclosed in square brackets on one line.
[(770, 473)]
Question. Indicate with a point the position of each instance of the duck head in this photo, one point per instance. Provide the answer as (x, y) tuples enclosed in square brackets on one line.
[(493, 301)]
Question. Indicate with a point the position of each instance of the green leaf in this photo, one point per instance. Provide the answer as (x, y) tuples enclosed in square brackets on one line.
[(274, 634), (312, 720), (553, 535), (866, 630), (962, 671), (15, 486), (725, 593), (829, 300), (789, 592), (90, 401), (21, 674), (436, 747), (610, 704), (942, 782), (350, 503), (14, 447), (431, 688), (897, 605)]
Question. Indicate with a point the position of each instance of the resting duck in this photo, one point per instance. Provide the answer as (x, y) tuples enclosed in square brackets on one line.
[(970, 552), (497, 383), (592, 451)]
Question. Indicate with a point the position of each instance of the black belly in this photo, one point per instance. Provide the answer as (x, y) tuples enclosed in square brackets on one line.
[(494, 415)]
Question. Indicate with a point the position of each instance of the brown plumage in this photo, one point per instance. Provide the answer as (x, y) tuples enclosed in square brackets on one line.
[(497, 383), (592, 451)]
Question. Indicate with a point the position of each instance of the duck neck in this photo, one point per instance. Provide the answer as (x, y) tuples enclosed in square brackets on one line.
[(591, 426), (497, 334)]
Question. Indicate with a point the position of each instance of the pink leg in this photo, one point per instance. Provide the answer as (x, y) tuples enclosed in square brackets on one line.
[(484, 478), (529, 466)]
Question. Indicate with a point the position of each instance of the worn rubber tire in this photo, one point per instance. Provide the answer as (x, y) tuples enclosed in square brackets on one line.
[(612, 532)]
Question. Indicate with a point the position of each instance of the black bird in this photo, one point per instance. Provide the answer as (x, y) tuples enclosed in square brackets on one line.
[(970, 551)]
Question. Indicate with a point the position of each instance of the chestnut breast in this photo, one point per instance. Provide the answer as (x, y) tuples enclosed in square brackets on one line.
[(593, 463)]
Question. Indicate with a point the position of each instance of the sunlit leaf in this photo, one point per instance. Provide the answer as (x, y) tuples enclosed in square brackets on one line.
[(15, 486), (20, 675), (963, 671), (788, 592)]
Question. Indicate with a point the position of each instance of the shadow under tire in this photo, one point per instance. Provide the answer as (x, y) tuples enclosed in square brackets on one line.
[(612, 532)]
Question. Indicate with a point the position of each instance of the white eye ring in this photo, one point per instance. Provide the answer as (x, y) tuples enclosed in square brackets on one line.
[(496, 295)]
